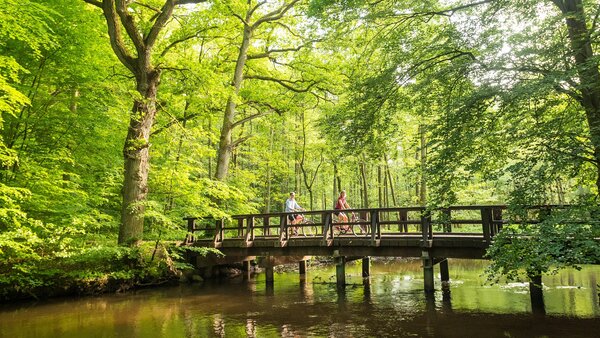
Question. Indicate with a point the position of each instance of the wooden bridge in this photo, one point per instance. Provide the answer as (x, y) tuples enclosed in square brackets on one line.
[(432, 235)]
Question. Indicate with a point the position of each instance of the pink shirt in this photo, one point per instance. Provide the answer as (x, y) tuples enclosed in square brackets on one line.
[(341, 203)]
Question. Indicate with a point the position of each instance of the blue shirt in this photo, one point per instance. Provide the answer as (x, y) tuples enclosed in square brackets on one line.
[(291, 204)]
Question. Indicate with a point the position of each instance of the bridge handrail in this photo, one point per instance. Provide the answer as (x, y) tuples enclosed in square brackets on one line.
[(386, 209), (491, 220)]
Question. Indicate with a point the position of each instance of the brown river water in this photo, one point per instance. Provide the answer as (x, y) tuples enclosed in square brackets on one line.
[(391, 304)]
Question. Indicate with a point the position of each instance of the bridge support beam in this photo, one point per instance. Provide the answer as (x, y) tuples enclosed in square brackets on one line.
[(269, 279), (444, 273), (302, 268), (427, 272), (246, 268), (340, 271), (366, 266)]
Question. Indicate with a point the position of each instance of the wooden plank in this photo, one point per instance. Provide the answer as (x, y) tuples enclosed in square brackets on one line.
[(486, 221), (426, 229)]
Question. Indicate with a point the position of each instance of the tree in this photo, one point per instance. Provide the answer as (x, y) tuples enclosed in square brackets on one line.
[(512, 103), (267, 64), (134, 30)]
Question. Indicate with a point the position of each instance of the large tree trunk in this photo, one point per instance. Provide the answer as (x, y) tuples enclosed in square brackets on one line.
[(135, 154), (587, 69), (133, 45), (226, 143)]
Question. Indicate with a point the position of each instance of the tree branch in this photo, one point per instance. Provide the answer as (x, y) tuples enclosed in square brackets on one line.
[(184, 39), (574, 95), (114, 33), (152, 8), (239, 141), (172, 122), (572, 155), (251, 11), (130, 26), (248, 118), (271, 107), (275, 15), (595, 21), (184, 2), (165, 13), (453, 10), (286, 27), (96, 3), (281, 50), (284, 83)]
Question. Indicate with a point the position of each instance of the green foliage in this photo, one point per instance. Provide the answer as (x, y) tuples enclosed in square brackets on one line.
[(564, 238), (179, 254), (87, 270)]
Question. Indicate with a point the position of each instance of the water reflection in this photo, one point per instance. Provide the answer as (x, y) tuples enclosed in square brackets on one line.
[(389, 303), (446, 297)]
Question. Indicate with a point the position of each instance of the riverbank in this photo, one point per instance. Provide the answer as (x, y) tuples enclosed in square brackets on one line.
[(93, 271)]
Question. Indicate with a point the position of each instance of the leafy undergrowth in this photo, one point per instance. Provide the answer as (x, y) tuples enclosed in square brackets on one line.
[(91, 270)]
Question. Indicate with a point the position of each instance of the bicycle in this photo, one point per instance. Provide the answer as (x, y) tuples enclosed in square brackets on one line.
[(342, 229), (308, 228), (305, 227), (362, 224)]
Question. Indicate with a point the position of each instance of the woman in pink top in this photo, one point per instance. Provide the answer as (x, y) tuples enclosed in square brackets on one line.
[(341, 204)]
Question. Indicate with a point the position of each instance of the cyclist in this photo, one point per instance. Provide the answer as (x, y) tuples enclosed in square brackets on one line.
[(342, 204), (290, 206)]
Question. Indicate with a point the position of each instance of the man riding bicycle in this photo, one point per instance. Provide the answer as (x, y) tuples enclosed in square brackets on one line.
[(290, 206)]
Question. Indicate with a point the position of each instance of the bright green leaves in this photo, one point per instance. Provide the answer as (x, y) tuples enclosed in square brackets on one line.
[(564, 238)]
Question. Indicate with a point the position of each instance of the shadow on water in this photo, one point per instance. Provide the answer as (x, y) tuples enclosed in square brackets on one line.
[(389, 303)]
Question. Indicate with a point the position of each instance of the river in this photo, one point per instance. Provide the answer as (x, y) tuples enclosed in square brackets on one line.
[(391, 304)]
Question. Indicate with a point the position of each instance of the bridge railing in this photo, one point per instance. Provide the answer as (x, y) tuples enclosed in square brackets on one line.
[(482, 221)]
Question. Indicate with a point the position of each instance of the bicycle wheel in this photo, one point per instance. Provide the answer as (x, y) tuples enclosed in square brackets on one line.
[(362, 227), (308, 228)]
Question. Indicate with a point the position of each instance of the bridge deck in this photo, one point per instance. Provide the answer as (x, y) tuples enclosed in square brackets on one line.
[(454, 232), (432, 235), (396, 245), (458, 232)]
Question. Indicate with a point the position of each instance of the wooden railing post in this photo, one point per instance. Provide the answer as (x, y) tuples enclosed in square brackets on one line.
[(218, 231), (327, 227), (447, 225), (486, 222), (497, 221), (403, 218), (426, 229), (191, 227), (283, 235), (250, 229), (266, 226), (377, 217), (375, 226), (240, 227)]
